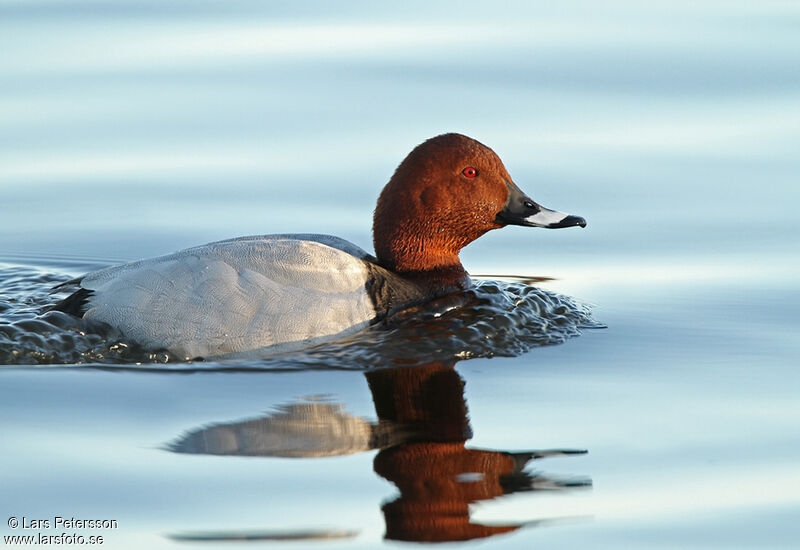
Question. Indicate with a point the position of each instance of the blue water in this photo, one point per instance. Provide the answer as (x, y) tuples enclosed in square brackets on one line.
[(132, 129)]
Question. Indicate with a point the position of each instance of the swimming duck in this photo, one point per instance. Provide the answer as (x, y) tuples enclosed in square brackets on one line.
[(277, 293)]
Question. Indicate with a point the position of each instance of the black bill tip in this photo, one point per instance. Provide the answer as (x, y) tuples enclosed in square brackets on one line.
[(569, 221)]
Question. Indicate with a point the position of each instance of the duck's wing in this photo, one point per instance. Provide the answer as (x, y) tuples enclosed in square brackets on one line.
[(237, 296)]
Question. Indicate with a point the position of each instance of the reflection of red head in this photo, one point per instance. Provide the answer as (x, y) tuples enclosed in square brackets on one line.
[(430, 470), (434, 493)]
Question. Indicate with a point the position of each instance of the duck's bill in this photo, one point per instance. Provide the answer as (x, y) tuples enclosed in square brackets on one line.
[(522, 210), (552, 219)]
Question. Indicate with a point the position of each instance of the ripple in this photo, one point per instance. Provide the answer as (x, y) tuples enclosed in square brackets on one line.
[(494, 318), (28, 337)]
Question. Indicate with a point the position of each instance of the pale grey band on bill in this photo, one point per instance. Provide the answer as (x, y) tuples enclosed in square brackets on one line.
[(546, 218)]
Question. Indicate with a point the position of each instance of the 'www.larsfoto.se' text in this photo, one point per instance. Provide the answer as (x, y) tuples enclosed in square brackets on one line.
[(62, 538)]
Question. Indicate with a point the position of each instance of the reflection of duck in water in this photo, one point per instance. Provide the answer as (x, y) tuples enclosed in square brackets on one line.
[(438, 477), (422, 431)]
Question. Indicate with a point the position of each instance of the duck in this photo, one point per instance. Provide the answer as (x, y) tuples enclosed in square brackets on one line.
[(267, 294)]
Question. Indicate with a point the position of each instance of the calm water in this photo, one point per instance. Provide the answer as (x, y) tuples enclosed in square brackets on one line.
[(131, 129)]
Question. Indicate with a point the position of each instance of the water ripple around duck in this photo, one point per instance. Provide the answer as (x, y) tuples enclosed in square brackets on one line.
[(494, 318)]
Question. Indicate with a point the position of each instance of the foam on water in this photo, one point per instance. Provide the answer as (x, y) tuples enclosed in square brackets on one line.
[(492, 318)]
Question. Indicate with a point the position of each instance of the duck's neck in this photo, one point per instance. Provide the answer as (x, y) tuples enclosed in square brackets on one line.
[(440, 281), (433, 266)]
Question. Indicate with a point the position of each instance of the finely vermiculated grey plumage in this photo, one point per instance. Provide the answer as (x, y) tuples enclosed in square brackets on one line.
[(237, 296)]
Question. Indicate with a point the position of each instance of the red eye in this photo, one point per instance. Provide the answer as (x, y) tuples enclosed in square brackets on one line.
[(469, 172)]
